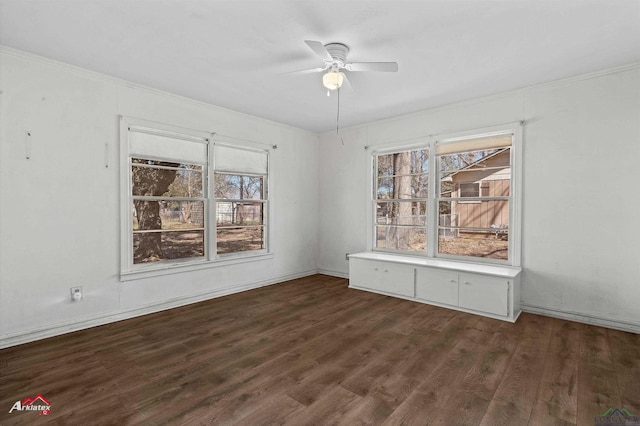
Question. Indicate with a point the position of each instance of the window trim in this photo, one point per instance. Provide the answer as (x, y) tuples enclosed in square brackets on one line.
[(431, 142), (130, 271)]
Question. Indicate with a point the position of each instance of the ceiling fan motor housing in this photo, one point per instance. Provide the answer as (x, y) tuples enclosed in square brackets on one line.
[(338, 52)]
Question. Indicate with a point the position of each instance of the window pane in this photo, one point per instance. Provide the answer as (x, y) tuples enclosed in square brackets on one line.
[(420, 186), (489, 214), (230, 213), (401, 213), (492, 243), (232, 240), (385, 188), (158, 246), (483, 172), (401, 238), (188, 183), (238, 187), (403, 175), (167, 215), (399, 187), (152, 178), (385, 165), (490, 236)]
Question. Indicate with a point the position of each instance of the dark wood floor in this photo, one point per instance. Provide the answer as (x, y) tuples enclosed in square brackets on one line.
[(312, 351)]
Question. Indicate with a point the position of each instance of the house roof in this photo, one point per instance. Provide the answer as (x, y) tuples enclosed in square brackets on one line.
[(449, 177)]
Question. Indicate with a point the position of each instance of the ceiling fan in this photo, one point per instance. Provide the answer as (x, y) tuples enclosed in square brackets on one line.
[(334, 56)]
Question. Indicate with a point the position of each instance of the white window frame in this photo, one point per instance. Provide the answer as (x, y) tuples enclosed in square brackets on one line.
[(431, 142), (130, 271)]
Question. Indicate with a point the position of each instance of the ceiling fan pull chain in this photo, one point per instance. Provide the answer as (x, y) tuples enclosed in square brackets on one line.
[(338, 119)]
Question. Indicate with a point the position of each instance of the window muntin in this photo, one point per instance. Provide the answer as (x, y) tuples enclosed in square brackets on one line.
[(469, 211)]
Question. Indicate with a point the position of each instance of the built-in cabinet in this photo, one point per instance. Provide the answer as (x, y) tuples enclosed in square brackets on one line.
[(384, 276), (482, 289)]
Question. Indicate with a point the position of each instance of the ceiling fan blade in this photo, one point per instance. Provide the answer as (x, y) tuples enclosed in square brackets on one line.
[(319, 50), (372, 66), (346, 83), (309, 71)]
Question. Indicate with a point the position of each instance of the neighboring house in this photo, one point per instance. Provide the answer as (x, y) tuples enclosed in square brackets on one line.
[(488, 177)]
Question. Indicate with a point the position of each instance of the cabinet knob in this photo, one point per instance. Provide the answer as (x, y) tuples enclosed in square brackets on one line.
[(453, 281), (375, 269), (467, 283), (386, 270)]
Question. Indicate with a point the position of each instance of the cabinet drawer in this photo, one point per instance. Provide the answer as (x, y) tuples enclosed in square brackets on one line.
[(436, 285), (382, 276), (484, 293)]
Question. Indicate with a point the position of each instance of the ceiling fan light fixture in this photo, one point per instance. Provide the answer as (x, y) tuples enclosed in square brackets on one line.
[(333, 80)]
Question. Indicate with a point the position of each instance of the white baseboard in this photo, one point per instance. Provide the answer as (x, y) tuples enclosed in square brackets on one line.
[(629, 326), (71, 326), (333, 273)]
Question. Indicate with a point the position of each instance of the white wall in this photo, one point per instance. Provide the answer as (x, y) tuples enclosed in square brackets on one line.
[(59, 210), (581, 196)]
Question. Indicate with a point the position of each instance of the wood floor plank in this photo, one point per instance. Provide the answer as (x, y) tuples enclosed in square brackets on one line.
[(515, 397), (435, 391), (477, 388), (557, 398), (625, 349), (329, 408), (275, 410), (369, 411), (597, 379), (597, 392), (313, 351)]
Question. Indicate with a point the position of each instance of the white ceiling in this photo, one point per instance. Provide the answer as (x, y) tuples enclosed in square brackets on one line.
[(234, 53)]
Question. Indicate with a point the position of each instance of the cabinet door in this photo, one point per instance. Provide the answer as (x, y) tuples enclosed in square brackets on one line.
[(436, 285), (381, 276), (484, 293)]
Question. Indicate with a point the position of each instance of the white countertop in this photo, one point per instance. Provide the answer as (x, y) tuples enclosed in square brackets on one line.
[(478, 268)]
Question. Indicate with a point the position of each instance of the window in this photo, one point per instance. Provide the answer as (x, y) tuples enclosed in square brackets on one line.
[(401, 200), (457, 203), (168, 210), (241, 199), (472, 225), (469, 189), (188, 199)]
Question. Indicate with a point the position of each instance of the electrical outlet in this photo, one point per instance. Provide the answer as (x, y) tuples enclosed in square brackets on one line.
[(76, 293)]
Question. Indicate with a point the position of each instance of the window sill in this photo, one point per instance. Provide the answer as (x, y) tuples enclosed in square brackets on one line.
[(176, 268)]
